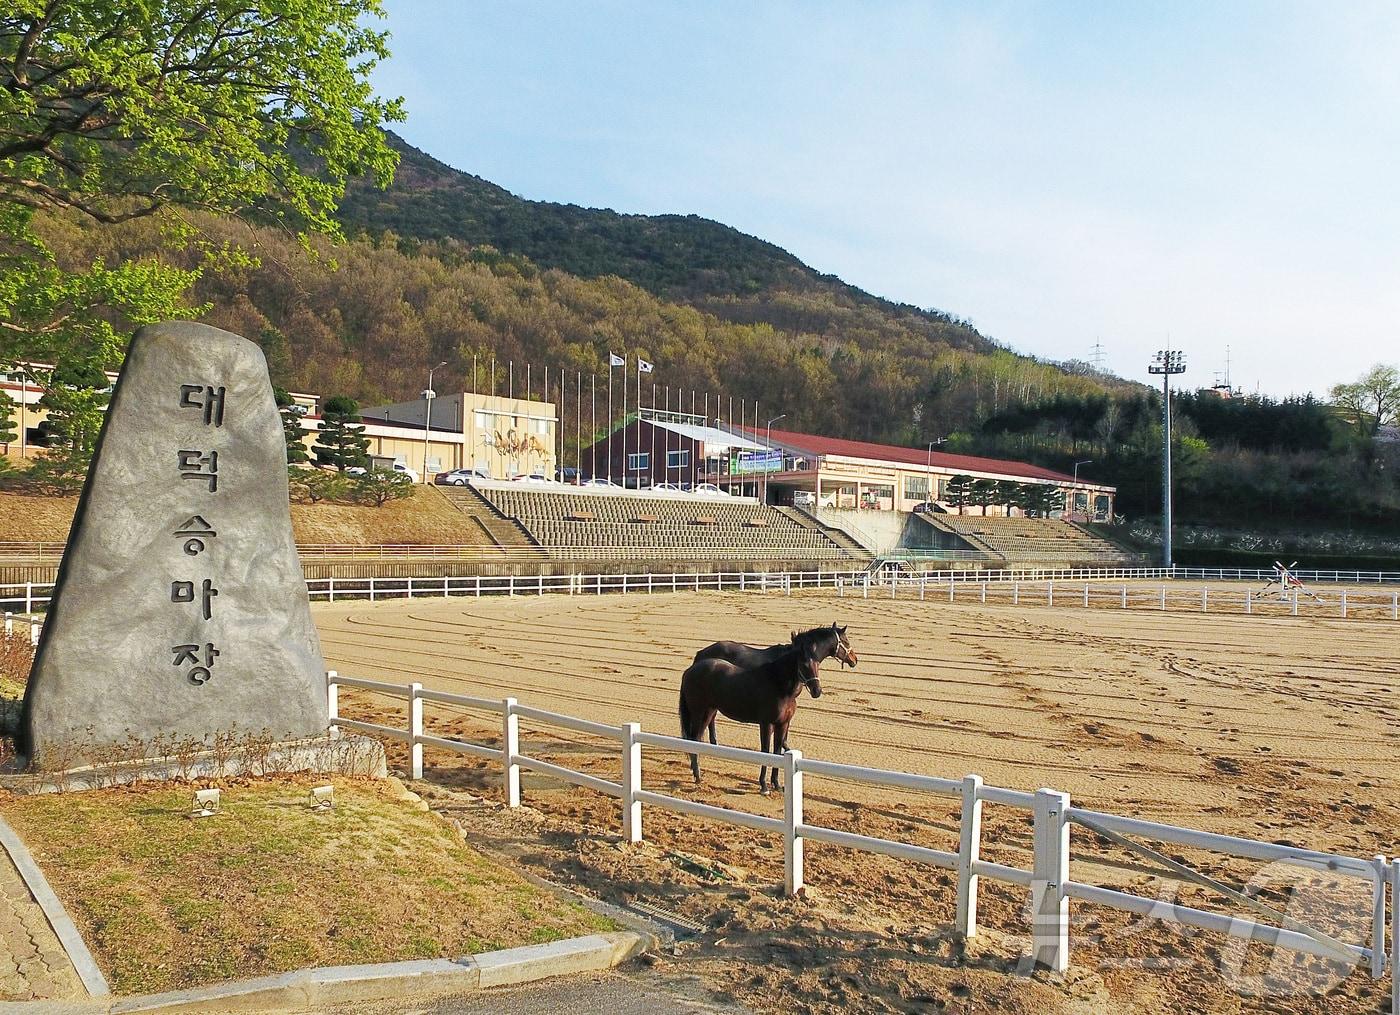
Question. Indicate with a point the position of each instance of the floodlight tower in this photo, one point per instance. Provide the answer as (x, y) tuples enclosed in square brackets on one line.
[(1167, 363)]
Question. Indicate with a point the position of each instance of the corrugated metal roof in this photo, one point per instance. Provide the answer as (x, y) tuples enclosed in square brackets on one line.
[(816, 445), (708, 435)]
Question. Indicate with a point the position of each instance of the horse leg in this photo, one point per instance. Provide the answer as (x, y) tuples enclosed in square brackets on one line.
[(764, 732), (779, 746), (712, 732)]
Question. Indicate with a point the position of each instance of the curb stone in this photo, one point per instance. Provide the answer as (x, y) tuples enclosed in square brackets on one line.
[(384, 981)]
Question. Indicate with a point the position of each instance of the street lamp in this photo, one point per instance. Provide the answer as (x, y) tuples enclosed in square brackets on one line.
[(428, 395), (1168, 364), (764, 498), (1075, 486), (928, 494)]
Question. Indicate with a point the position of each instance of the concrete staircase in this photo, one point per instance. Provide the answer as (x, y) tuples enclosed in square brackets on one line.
[(808, 520), (500, 531)]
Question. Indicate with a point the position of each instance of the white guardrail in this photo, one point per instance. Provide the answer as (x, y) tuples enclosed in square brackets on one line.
[(1048, 880), (1028, 586)]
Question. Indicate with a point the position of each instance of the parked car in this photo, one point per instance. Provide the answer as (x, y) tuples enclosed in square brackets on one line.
[(929, 508), (533, 478), (599, 481), (399, 467), (668, 487), (568, 474), (709, 490), (460, 477)]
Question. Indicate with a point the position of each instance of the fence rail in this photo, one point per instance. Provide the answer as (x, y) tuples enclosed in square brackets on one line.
[(1021, 586), (1047, 879)]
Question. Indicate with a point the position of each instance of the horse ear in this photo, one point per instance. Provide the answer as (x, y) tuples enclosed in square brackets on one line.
[(840, 630)]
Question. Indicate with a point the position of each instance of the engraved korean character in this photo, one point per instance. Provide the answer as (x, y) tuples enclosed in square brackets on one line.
[(185, 592), (206, 397), (201, 673), (195, 531), (200, 465)]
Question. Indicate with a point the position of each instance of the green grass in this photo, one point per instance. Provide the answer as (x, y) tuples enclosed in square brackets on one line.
[(165, 901)]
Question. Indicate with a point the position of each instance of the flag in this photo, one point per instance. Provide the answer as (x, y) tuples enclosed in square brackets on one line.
[(643, 367), (615, 360)]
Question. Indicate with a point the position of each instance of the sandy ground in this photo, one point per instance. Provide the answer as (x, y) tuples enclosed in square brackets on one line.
[(1267, 726)]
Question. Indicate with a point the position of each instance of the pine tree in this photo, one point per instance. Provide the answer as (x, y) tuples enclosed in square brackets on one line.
[(984, 492), (74, 398), (1006, 493), (341, 441), (9, 432), (959, 491), (291, 414)]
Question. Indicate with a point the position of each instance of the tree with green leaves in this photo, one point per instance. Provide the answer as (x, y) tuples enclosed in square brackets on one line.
[(340, 441), (1005, 493), (1371, 402), (1052, 499), (111, 112), (75, 399), (983, 493), (292, 432), (959, 491), (379, 486), (9, 431)]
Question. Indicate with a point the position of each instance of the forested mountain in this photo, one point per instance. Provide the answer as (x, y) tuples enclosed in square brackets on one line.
[(682, 258)]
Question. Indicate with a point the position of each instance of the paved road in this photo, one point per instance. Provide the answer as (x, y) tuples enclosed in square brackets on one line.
[(33, 965), (632, 992)]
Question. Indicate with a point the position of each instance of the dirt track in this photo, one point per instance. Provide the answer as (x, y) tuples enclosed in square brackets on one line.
[(1272, 727)]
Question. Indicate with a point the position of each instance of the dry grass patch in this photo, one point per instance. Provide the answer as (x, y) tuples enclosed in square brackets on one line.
[(30, 518), (425, 519), (267, 885)]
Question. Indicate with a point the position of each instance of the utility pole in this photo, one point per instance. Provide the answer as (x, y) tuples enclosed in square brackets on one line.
[(1168, 364), (763, 498), (428, 395)]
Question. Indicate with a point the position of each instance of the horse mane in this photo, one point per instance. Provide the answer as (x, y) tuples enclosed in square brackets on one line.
[(801, 639)]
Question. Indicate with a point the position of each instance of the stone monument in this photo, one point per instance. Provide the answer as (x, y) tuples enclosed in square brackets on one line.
[(180, 608)]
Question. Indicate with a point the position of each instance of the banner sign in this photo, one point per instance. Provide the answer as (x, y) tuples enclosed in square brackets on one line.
[(749, 462)]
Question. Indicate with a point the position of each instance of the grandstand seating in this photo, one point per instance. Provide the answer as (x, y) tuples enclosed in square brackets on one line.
[(1033, 540), (624, 523)]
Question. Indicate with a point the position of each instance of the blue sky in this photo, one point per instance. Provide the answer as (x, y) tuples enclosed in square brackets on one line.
[(1060, 174)]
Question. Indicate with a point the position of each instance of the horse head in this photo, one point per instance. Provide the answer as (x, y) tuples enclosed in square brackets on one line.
[(810, 673), (844, 652)]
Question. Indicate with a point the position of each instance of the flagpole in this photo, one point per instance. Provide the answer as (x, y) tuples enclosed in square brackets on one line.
[(578, 426), (593, 443), (693, 473), (624, 419), (609, 425), (639, 416)]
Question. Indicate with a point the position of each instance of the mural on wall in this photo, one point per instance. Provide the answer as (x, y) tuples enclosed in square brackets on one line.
[(516, 447)]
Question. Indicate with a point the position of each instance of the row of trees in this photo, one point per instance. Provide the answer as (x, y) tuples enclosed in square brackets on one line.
[(1033, 499)]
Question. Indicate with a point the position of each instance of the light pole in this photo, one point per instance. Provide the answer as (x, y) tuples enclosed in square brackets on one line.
[(928, 494), (764, 498), (1168, 364), (1075, 486), (428, 395)]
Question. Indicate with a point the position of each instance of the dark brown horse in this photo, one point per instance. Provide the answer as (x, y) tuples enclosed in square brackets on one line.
[(824, 642), (765, 693)]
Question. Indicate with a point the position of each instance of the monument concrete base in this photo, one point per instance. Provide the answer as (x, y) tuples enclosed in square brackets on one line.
[(343, 754)]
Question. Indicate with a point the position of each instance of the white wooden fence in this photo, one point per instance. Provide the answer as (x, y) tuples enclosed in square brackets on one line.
[(1047, 881)]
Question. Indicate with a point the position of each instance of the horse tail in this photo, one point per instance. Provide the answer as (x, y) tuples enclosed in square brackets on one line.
[(685, 716)]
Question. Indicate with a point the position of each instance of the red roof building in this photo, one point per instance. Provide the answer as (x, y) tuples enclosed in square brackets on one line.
[(837, 473)]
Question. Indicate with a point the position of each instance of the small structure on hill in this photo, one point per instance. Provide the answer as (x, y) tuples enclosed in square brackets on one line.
[(180, 610)]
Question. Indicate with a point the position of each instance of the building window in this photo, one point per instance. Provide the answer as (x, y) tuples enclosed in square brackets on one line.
[(483, 420), (542, 426), (639, 463), (916, 488), (677, 459)]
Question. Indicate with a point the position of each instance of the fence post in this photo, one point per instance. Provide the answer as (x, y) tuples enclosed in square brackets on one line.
[(631, 782), (792, 821), (1295, 602), (1015, 593), (332, 702), (1394, 935), (510, 747), (28, 597), (1049, 903), (330, 586), (1205, 593), (1395, 615), (371, 590), (1086, 593), (9, 624), (1164, 597), (1248, 600), (969, 850), (1050, 594), (867, 585), (34, 632), (1344, 604), (415, 731), (951, 585), (894, 583), (1125, 597), (984, 593)]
